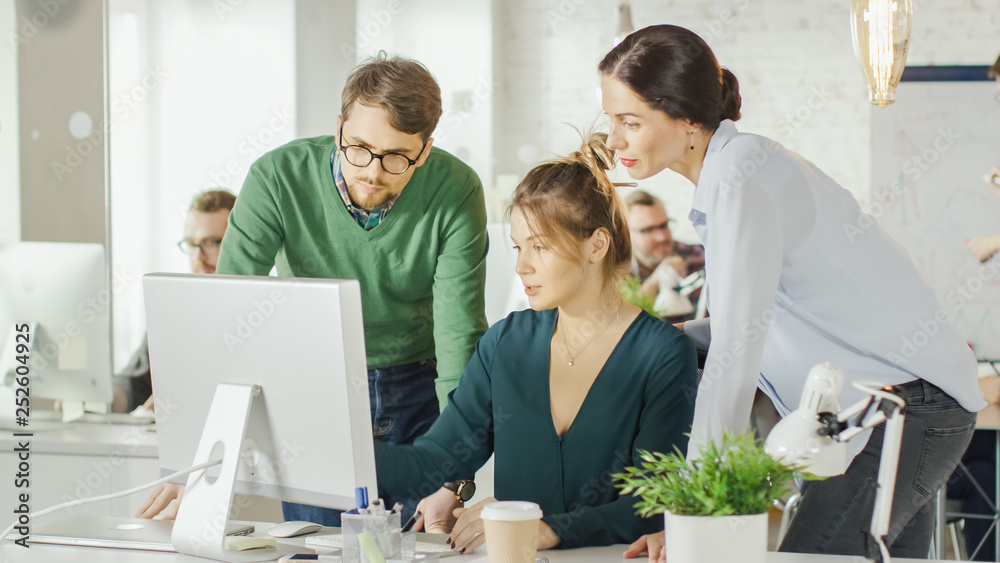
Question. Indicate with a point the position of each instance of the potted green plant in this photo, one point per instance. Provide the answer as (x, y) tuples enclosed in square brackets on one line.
[(715, 507)]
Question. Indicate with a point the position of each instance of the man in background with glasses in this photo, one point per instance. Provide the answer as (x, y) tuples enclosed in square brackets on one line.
[(985, 247), (204, 227), (654, 247), (378, 203)]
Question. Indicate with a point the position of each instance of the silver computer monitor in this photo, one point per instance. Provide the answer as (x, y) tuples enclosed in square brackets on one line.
[(309, 435), (60, 291)]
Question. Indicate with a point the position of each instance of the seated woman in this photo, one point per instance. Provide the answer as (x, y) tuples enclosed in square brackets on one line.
[(566, 392)]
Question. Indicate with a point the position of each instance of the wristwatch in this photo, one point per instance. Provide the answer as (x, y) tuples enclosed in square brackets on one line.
[(463, 489)]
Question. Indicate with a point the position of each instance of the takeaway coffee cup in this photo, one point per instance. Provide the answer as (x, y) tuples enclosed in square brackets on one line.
[(511, 531)]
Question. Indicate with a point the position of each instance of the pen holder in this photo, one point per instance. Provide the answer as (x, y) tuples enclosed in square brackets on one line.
[(371, 538)]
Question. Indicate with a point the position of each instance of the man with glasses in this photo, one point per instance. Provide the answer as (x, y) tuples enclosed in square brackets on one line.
[(378, 203), (204, 227), (654, 248)]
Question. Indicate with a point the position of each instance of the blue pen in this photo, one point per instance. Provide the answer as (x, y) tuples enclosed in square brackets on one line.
[(360, 500)]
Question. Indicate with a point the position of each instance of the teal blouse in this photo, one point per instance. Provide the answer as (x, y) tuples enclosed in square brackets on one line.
[(643, 398)]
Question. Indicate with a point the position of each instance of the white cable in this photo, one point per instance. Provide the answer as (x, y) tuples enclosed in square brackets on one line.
[(78, 502)]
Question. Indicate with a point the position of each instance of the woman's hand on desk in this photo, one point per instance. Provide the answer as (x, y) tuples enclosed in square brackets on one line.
[(468, 531), (652, 544), (159, 500), (990, 387), (439, 512)]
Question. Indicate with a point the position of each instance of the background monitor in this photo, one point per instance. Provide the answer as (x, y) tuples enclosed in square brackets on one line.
[(61, 290), (309, 435), (504, 291)]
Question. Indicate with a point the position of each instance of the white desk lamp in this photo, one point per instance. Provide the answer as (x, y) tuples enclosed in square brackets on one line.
[(814, 436)]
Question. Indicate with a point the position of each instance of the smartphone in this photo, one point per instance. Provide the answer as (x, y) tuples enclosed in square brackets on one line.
[(311, 557), (239, 529)]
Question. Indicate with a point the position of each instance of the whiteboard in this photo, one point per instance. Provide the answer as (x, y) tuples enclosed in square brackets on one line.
[(930, 151)]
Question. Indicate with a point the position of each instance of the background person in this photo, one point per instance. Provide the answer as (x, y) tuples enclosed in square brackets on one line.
[(984, 247), (567, 390), (654, 247), (785, 295), (204, 227)]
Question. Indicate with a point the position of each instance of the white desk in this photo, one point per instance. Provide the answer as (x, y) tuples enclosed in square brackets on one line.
[(38, 553), (82, 460)]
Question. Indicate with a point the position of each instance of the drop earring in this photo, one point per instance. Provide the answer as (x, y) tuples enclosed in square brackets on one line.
[(692, 140)]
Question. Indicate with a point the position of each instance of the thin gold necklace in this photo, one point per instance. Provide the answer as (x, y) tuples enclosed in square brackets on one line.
[(571, 355)]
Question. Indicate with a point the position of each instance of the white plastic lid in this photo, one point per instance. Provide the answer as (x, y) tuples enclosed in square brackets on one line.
[(511, 510)]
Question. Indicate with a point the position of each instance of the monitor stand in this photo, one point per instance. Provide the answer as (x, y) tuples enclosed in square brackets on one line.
[(203, 516)]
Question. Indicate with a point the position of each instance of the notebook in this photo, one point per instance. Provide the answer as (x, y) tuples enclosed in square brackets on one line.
[(117, 532)]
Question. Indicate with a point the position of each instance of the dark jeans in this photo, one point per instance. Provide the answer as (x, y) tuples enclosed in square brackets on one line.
[(835, 514), (404, 404), (981, 462)]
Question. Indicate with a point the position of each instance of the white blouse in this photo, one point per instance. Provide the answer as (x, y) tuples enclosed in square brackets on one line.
[(799, 275)]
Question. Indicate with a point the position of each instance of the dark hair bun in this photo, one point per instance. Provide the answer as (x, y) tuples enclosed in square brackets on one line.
[(731, 100)]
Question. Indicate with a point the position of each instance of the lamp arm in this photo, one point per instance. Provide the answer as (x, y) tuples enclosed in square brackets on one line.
[(882, 405)]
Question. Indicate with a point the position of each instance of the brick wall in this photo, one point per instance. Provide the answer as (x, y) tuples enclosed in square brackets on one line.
[(800, 82)]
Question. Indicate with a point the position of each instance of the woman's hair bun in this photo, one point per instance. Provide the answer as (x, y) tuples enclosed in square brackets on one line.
[(731, 100), (594, 151)]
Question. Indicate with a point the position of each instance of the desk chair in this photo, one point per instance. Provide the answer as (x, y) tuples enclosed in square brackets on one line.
[(954, 520)]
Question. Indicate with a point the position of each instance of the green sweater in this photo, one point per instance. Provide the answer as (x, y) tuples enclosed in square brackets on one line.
[(643, 398), (422, 270)]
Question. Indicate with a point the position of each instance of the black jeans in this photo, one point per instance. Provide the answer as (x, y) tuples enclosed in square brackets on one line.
[(835, 515), (404, 404)]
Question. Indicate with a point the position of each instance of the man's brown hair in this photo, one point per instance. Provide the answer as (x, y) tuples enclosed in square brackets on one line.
[(213, 200), (640, 197), (402, 87)]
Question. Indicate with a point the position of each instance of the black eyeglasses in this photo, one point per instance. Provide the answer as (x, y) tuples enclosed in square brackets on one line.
[(392, 162), (208, 246), (647, 230)]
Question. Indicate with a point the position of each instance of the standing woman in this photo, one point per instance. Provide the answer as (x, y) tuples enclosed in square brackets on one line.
[(797, 275)]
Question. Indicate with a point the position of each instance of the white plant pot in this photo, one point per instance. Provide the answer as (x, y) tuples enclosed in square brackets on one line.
[(716, 539)]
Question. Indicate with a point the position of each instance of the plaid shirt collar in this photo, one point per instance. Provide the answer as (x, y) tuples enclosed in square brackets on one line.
[(368, 220)]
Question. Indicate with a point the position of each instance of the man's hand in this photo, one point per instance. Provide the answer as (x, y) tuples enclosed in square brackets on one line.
[(983, 247), (159, 500), (653, 544), (438, 510)]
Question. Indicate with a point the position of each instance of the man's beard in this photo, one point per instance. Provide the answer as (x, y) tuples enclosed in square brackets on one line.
[(365, 200)]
